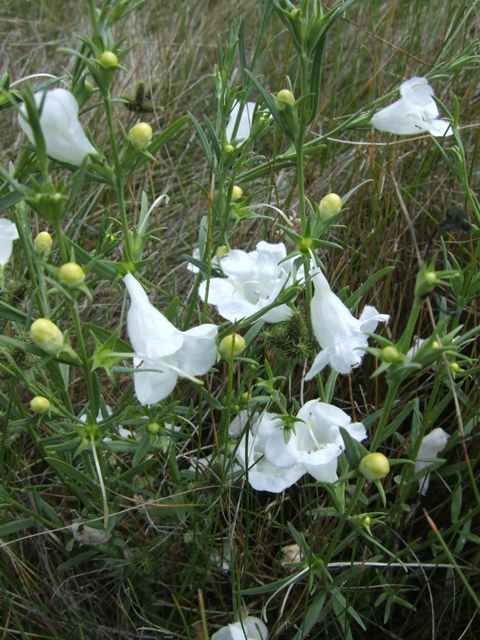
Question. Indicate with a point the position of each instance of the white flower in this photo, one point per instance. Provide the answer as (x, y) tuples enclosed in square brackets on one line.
[(430, 448), (254, 280), (338, 333), (244, 123), (415, 112), (263, 474), (316, 442), (8, 233), (250, 628), (64, 137), (162, 352)]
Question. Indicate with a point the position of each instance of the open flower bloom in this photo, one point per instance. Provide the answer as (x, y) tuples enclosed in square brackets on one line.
[(244, 124), (162, 352), (430, 448), (64, 137), (8, 233), (316, 441), (415, 112), (254, 280), (251, 628), (263, 474), (341, 336)]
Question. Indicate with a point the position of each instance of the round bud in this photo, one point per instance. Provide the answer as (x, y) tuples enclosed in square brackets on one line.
[(153, 428), (71, 275), (367, 521), (140, 135), (39, 404), (430, 277), (221, 251), (246, 396), (374, 466), (231, 345), (88, 86), (229, 148), (284, 98), (305, 246), (435, 344), (46, 335), (43, 243), (236, 193), (454, 367), (108, 59), (330, 205), (390, 354)]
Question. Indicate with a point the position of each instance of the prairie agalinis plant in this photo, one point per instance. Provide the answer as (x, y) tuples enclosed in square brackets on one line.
[(260, 375)]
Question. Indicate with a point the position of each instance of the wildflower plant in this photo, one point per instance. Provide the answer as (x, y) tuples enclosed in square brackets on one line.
[(285, 396)]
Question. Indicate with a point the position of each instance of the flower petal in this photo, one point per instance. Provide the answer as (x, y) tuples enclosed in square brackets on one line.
[(244, 124)]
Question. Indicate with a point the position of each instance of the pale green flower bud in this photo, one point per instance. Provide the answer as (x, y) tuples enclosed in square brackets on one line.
[(39, 404), (330, 205), (47, 336), (390, 354), (236, 192), (284, 98), (153, 428), (231, 345), (374, 466), (71, 275), (108, 59), (43, 243), (221, 251), (140, 135)]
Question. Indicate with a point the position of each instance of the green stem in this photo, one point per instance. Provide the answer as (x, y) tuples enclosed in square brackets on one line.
[(89, 377), (343, 519), (62, 246), (387, 408), (100, 480)]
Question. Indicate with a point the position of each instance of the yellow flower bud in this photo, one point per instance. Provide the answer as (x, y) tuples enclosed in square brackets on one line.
[(229, 148), (236, 193), (71, 275), (108, 59), (374, 466), (435, 344), (330, 205), (285, 97), (231, 345), (454, 367), (43, 243), (39, 404), (46, 335), (140, 135), (246, 396), (430, 277)]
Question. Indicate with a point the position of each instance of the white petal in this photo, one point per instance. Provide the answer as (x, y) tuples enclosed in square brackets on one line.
[(440, 128), (370, 318), (199, 350), (325, 472), (280, 453), (153, 386), (356, 430), (265, 476), (8, 233), (64, 137), (245, 123), (319, 364), (417, 90)]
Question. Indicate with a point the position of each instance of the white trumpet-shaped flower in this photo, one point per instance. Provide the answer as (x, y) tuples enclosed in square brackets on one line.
[(251, 628), (263, 474), (315, 442), (8, 233), (162, 352), (254, 280), (244, 123), (431, 446), (64, 137), (416, 112), (341, 336)]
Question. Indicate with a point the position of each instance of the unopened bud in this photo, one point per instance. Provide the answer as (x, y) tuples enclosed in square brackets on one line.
[(430, 277), (236, 192), (221, 251), (284, 98), (390, 354), (305, 246), (374, 466), (246, 396), (43, 243), (71, 275), (330, 205), (140, 135), (39, 404), (46, 335), (153, 428), (454, 367), (108, 59), (229, 148), (231, 345)]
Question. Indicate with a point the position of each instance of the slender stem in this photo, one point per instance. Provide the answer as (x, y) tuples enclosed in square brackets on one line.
[(100, 480), (90, 379), (343, 519), (57, 225), (387, 408), (120, 181)]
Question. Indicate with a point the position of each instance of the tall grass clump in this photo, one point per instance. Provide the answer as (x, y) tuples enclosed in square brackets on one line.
[(238, 307)]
